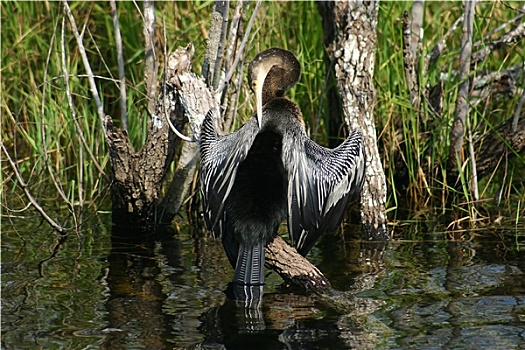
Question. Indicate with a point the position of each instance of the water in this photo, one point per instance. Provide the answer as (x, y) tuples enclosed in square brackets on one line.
[(90, 291)]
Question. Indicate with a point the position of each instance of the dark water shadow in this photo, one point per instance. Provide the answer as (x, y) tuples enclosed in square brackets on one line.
[(435, 289), (135, 302), (291, 321), (295, 320), (142, 312), (291, 318)]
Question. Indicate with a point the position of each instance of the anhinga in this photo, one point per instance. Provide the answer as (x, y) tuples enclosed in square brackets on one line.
[(269, 170)]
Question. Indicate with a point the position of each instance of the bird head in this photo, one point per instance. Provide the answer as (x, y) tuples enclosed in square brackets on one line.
[(270, 74)]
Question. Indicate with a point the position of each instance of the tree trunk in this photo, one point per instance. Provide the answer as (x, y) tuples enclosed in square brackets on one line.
[(351, 40), (196, 100), (137, 177)]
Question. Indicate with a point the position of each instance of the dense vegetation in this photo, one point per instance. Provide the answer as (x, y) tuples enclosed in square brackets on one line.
[(64, 170)]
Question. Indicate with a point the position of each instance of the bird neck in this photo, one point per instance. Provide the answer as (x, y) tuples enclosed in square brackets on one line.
[(282, 112)]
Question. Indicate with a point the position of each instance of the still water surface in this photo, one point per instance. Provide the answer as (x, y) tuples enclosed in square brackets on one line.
[(91, 291)]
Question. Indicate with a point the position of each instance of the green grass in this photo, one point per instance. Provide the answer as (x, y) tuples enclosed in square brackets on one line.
[(37, 122), (422, 138)]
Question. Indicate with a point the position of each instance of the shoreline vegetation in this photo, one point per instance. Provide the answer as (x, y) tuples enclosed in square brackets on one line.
[(54, 153)]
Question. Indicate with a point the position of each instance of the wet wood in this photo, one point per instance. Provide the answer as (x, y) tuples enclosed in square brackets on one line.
[(294, 268)]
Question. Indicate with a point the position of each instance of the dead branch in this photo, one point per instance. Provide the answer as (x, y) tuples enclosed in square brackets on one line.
[(45, 137), (87, 66), (434, 54), (485, 79), (462, 107), (494, 84), (57, 227), (80, 133), (512, 21), (510, 37)]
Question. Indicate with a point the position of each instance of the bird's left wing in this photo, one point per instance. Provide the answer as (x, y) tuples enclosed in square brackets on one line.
[(321, 183), (220, 158)]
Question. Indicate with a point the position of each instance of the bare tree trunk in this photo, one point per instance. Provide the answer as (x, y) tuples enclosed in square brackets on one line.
[(138, 176), (351, 25), (196, 100)]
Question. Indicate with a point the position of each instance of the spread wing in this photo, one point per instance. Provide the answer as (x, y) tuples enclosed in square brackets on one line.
[(321, 183), (220, 158)]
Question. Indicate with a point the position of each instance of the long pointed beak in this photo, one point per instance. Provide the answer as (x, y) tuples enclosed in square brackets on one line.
[(258, 100), (258, 89)]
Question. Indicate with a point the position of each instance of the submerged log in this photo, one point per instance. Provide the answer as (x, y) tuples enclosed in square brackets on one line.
[(294, 268)]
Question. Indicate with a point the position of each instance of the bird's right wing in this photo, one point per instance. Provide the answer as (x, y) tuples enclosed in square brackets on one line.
[(321, 183), (220, 158)]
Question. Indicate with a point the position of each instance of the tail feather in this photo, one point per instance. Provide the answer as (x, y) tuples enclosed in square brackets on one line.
[(249, 269)]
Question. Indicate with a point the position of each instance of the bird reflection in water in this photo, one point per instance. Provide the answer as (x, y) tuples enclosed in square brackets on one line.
[(268, 171)]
